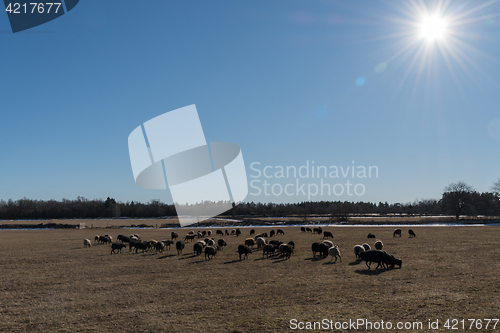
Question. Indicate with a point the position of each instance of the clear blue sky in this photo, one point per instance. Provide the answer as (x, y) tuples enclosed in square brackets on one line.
[(288, 81)]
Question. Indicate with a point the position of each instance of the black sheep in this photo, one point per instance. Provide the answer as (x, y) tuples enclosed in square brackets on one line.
[(245, 250)]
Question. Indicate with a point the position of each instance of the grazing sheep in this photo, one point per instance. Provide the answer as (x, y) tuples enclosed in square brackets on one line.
[(328, 243), (412, 233), (209, 233), (179, 246), (275, 242), (302, 229), (86, 242), (199, 234), (96, 239), (211, 242), (318, 230), (140, 246), (268, 249), (136, 235), (373, 256), (309, 230), (327, 234), (227, 233), (221, 243), (189, 237), (367, 247), (210, 252), (110, 239), (219, 232), (280, 232), (292, 244), (334, 252), (260, 243), (191, 232), (392, 261), (397, 232), (238, 232), (167, 243), (252, 231), (286, 250), (103, 240), (315, 248), (117, 247), (233, 232), (123, 239), (357, 250), (174, 235), (159, 247), (379, 245), (322, 248), (249, 242), (134, 239), (370, 235), (198, 248), (203, 233), (245, 250), (272, 233)]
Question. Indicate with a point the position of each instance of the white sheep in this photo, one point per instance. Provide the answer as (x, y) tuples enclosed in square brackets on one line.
[(367, 247), (328, 243), (379, 245), (334, 252), (358, 249), (86, 242), (261, 242)]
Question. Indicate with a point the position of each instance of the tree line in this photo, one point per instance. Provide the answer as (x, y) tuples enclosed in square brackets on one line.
[(457, 199)]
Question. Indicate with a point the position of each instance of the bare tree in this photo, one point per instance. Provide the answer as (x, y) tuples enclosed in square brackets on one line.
[(456, 196), (496, 187)]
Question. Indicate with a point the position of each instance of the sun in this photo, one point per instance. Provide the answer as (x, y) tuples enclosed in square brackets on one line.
[(433, 28)]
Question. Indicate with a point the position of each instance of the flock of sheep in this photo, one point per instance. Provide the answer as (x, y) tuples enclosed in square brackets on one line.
[(203, 243)]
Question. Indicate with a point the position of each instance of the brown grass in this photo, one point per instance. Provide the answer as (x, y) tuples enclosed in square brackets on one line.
[(50, 283)]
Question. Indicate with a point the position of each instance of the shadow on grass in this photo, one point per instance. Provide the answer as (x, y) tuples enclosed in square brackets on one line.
[(167, 256), (316, 258), (370, 271), (331, 262), (234, 261), (352, 263)]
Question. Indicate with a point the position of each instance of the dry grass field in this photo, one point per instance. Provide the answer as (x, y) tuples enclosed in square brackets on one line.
[(51, 283)]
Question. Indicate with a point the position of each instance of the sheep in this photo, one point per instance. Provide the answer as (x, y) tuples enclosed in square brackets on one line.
[(286, 250), (292, 244), (159, 247), (221, 243), (136, 235), (118, 247), (373, 256), (379, 245), (392, 261), (227, 233), (261, 242), (96, 239), (268, 249), (322, 248), (272, 233), (203, 233), (202, 242), (245, 250), (370, 235), (140, 246), (103, 240), (366, 246), (219, 232), (412, 233), (167, 243), (198, 248), (210, 251), (199, 234), (309, 230), (238, 232), (334, 252), (189, 237), (179, 246), (209, 233), (275, 242), (302, 229), (233, 232), (396, 232), (110, 239), (86, 242), (191, 232), (249, 242), (123, 239), (211, 242), (280, 232), (134, 239), (174, 235), (252, 231), (327, 234), (357, 250), (328, 243)]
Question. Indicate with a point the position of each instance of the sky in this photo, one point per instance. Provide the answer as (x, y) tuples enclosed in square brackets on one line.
[(339, 84)]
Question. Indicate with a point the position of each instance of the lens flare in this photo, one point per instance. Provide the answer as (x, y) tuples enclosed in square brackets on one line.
[(433, 28)]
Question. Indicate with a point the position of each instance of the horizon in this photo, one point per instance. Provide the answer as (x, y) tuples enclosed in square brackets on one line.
[(327, 83)]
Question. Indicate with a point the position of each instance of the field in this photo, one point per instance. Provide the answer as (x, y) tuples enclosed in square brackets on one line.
[(50, 283)]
